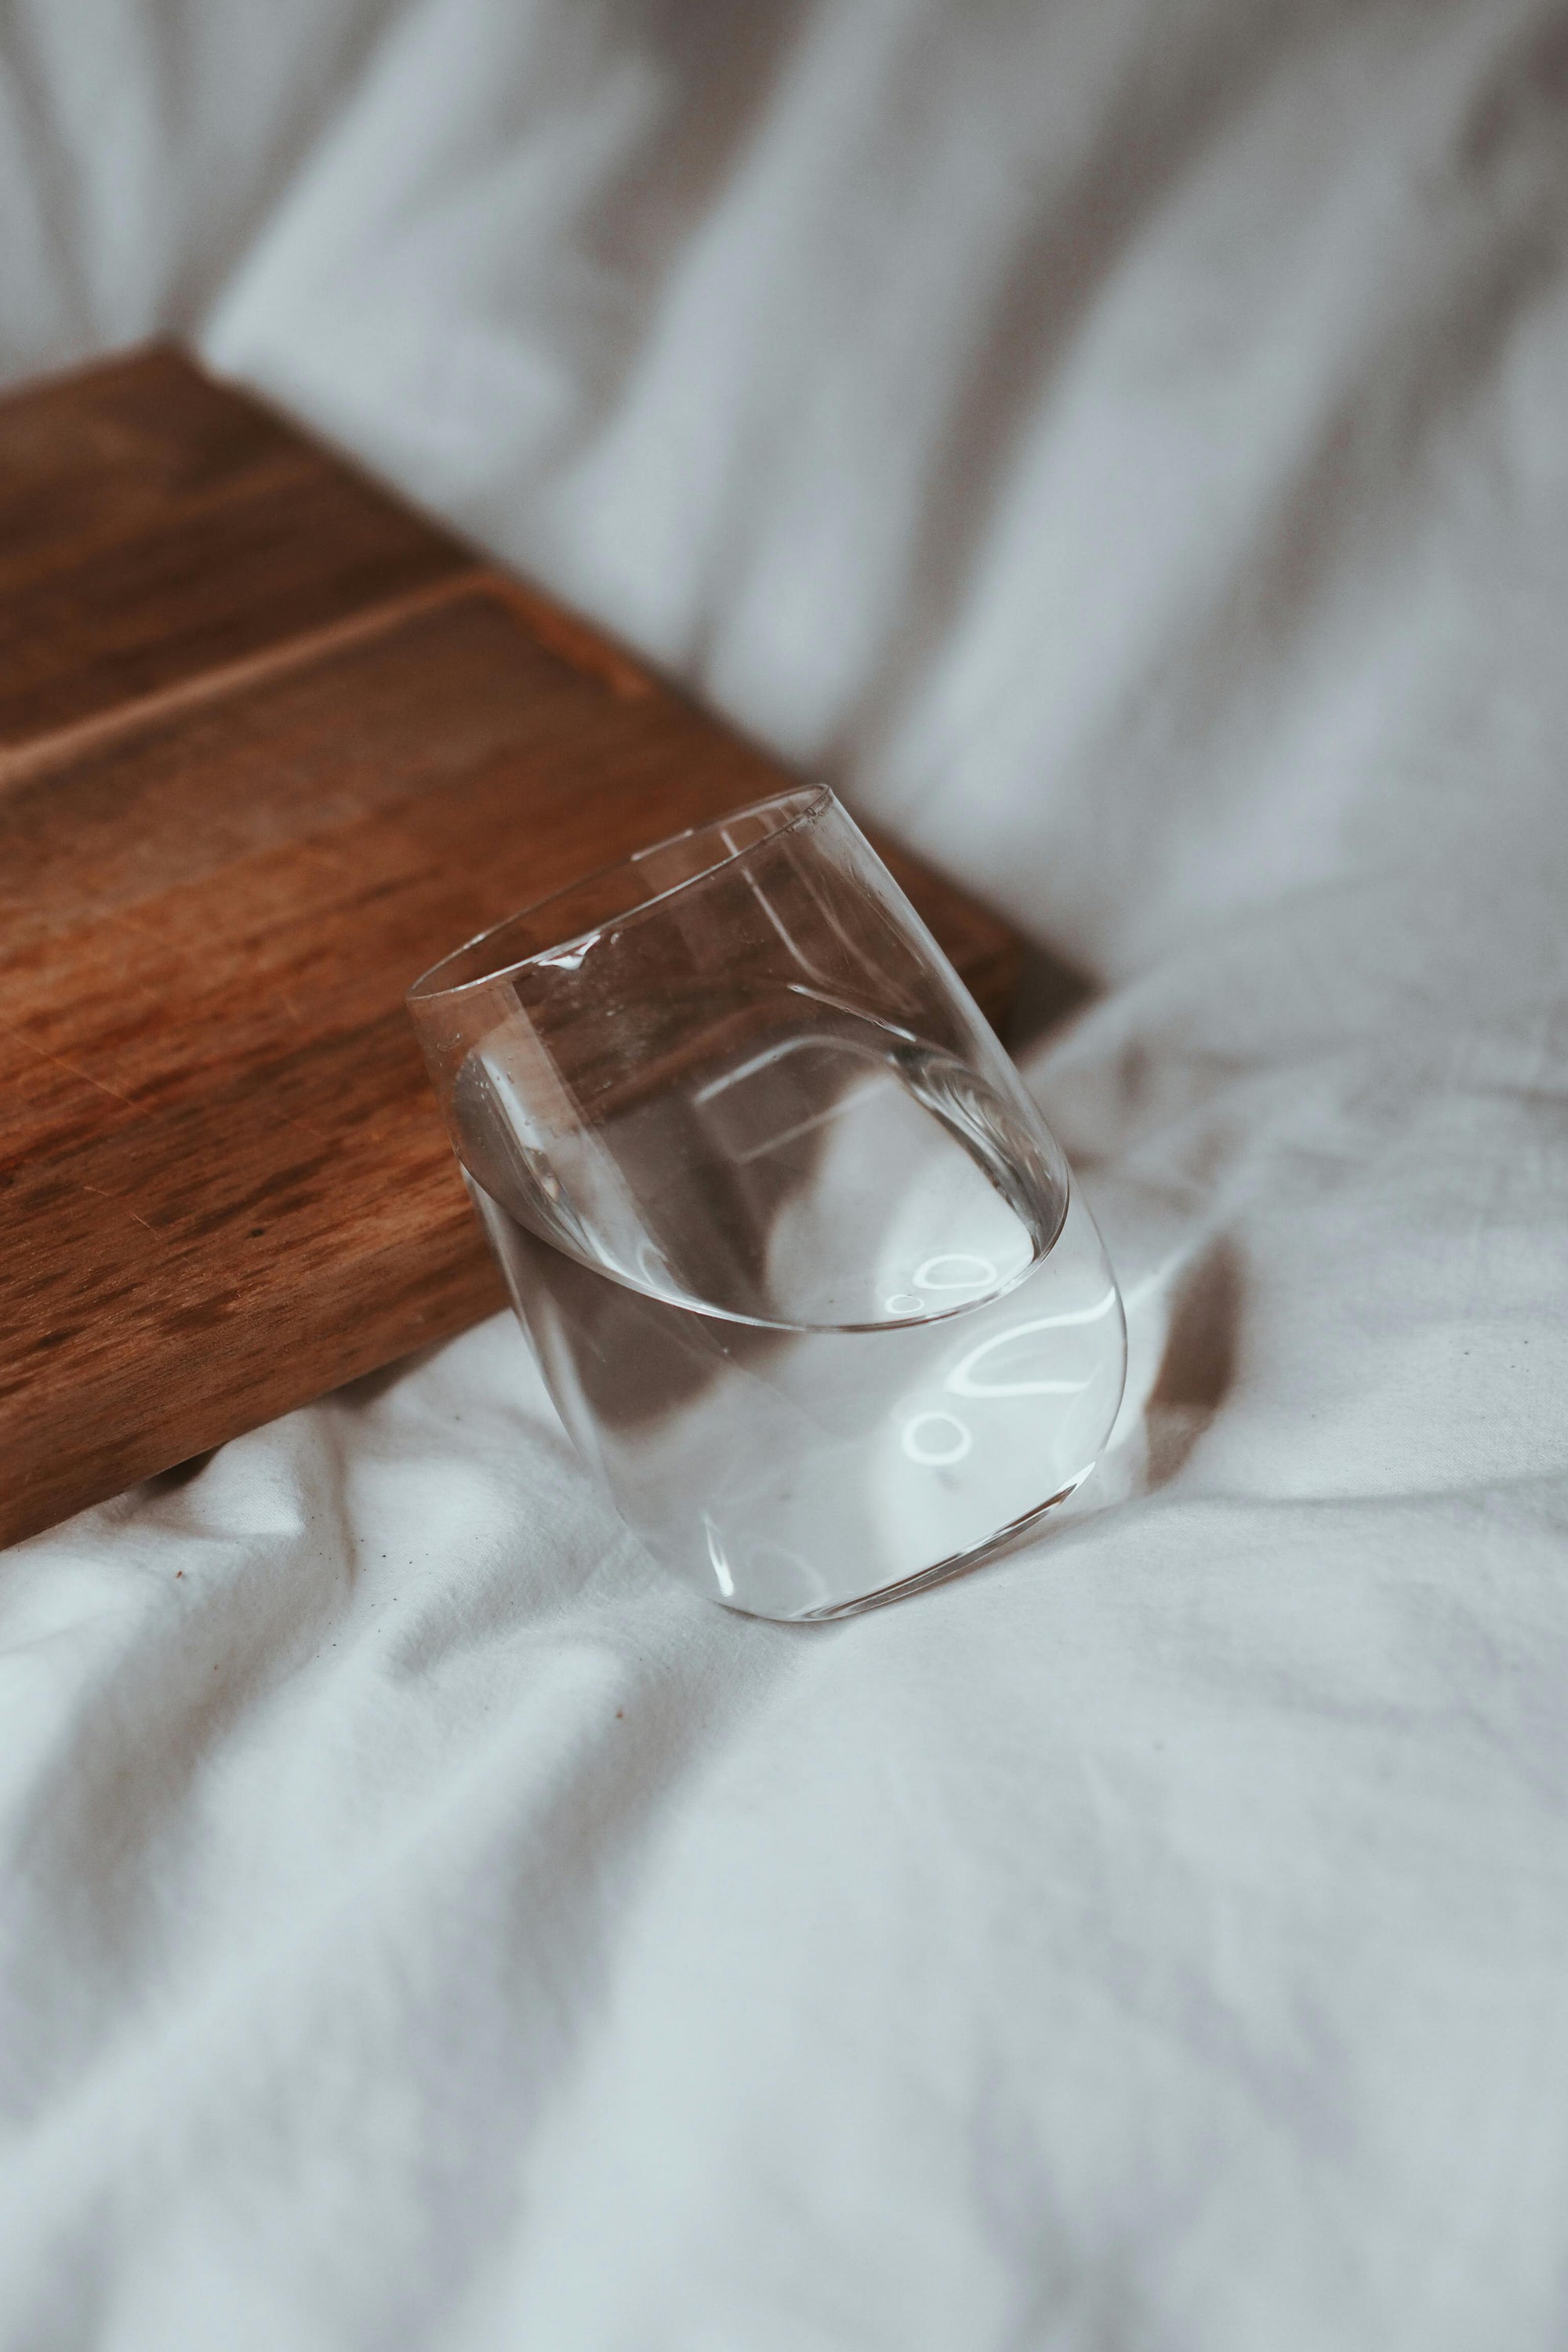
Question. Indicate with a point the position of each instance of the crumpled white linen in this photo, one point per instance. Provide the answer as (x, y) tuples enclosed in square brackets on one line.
[(1123, 447)]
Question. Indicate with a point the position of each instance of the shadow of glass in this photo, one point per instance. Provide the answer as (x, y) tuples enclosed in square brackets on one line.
[(1198, 1365)]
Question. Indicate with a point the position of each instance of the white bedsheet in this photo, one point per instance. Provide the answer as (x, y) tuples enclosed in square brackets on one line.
[(1122, 442)]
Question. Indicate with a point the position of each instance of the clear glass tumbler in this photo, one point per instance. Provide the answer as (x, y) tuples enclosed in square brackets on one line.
[(803, 1266)]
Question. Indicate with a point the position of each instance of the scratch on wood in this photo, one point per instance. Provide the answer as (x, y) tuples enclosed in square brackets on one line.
[(58, 1062), (98, 1193)]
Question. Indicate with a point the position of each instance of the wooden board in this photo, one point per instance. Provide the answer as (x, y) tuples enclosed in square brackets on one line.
[(269, 743)]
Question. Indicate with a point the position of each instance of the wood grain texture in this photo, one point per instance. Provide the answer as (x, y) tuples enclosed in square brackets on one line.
[(155, 528), (270, 744)]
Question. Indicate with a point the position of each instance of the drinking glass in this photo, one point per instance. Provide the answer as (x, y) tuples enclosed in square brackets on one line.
[(806, 1271)]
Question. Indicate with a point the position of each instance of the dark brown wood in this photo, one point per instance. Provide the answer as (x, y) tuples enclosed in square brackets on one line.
[(269, 743), (155, 528)]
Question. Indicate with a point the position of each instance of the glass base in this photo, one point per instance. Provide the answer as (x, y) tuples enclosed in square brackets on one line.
[(943, 1571)]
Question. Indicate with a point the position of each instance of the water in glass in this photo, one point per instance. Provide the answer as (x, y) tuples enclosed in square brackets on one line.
[(815, 1310)]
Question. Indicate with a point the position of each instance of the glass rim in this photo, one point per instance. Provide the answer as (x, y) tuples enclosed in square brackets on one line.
[(813, 800)]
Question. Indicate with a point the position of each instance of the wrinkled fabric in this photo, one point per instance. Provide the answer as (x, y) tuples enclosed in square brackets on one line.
[(1122, 446)]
